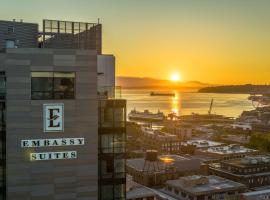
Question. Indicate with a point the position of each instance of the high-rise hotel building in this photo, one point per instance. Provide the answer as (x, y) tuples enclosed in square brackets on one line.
[(62, 126)]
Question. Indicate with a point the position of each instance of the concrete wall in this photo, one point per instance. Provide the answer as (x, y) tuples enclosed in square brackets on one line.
[(57, 179), (25, 35), (106, 70)]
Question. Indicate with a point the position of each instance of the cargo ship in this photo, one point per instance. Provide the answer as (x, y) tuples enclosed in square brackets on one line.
[(162, 94), (146, 115)]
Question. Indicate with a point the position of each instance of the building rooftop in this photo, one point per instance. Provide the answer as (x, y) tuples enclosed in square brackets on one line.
[(181, 164), (248, 161), (140, 192), (56, 34), (203, 143), (257, 195), (229, 149), (158, 135), (204, 184), (136, 190)]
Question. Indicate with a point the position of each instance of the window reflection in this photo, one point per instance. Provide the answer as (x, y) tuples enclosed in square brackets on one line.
[(53, 85), (111, 114), (113, 143)]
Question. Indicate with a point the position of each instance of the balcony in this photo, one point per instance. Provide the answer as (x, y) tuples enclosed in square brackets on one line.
[(109, 92)]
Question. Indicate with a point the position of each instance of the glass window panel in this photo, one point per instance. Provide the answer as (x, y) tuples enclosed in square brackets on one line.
[(119, 190), (119, 143), (42, 95), (107, 192), (119, 165), (106, 117), (42, 84), (2, 83), (54, 24), (108, 114), (76, 26), (42, 74), (64, 74), (10, 44), (119, 114), (107, 143), (53, 85), (106, 168), (64, 88)]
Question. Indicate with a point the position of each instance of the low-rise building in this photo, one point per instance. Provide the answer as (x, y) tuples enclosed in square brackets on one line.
[(253, 171), (242, 126), (161, 141), (204, 187), (136, 191), (153, 172), (191, 146), (237, 138), (182, 130), (256, 195), (227, 152), (203, 144)]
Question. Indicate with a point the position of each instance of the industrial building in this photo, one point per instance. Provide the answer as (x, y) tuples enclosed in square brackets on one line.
[(56, 126), (204, 187), (253, 171)]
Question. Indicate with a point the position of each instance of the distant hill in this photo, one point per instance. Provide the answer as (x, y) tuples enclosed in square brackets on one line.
[(237, 89), (136, 82)]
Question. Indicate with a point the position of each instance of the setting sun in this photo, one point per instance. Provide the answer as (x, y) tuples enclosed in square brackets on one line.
[(175, 77)]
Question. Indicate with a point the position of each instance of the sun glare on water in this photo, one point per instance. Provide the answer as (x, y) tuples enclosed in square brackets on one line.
[(175, 77)]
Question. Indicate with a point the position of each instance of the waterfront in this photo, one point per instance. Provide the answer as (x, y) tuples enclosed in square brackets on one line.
[(184, 103)]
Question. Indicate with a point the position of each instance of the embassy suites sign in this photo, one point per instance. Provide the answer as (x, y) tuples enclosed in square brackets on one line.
[(53, 115), (52, 142)]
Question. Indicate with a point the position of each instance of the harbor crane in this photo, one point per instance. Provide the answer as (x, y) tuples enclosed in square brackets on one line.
[(211, 107)]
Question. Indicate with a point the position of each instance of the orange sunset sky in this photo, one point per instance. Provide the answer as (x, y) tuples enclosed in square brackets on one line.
[(212, 41)]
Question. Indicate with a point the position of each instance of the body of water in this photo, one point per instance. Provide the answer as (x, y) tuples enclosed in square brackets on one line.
[(231, 105)]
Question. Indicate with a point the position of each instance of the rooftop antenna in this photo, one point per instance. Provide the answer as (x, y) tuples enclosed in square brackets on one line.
[(98, 20)]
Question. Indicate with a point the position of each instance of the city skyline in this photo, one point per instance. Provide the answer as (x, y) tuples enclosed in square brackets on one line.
[(197, 40)]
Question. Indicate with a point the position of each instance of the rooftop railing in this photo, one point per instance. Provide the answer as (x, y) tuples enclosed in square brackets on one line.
[(110, 92)]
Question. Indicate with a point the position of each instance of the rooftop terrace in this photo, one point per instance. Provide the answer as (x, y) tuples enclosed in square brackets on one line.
[(203, 143), (229, 149)]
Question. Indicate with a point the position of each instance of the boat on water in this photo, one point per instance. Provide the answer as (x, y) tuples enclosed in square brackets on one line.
[(263, 99), (162, 94), (146, 115)]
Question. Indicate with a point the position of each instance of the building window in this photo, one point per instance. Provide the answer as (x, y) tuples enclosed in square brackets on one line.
[(112, 113), (119, 167), (119, 191), (113, 143), (52, 85), (107, 168), (10, 30), (107, 192), (107, 143), (119, 143), (10, 44)]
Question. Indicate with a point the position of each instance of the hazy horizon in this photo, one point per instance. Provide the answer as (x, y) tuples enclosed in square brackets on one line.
[(185, 81), (218, 42)]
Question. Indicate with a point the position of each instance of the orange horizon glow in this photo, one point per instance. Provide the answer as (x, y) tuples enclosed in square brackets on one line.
[(214, 42)]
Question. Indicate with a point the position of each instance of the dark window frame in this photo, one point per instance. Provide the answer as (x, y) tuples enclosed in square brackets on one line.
[(52, 91)]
